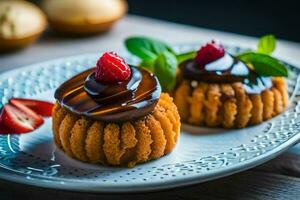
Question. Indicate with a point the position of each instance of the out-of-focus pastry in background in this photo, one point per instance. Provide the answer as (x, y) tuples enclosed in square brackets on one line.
[(21, 23), (83, 16)]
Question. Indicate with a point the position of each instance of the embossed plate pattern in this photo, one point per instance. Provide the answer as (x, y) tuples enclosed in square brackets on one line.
[(211, 153)]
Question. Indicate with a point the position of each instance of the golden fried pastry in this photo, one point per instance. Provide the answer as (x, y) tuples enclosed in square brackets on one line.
[(21, 23), (117, 117), (216, 89), (83, 16), (229, 105), (126, 143)]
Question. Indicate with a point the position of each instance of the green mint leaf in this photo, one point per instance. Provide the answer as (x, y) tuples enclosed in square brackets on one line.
[(266, 44), (185, 56), (145, 48), (147, 65), (264, 65), (165, 69)]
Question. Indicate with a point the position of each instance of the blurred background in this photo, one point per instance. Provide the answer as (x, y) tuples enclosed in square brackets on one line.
[(72, 18), (249, 17)]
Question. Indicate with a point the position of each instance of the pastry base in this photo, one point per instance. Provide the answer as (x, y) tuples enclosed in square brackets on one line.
[(228, 105), (82, 29), (13, 44), (126, 143)]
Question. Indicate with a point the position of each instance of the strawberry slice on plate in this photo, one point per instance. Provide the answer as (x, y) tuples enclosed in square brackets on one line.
[(19, 119), (42, 108), (4, 130)]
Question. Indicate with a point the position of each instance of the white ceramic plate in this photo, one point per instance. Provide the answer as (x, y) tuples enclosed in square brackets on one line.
[(202, 154)]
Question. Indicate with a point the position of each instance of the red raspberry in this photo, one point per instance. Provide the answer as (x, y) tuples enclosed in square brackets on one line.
[(111, 69), (208, 53)]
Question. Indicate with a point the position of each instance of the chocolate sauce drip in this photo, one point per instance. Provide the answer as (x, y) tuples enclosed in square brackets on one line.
[(124, 101), (227, 69)]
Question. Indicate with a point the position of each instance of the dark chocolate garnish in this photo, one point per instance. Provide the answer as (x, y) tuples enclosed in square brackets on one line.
[(227, 69), (123, 101)]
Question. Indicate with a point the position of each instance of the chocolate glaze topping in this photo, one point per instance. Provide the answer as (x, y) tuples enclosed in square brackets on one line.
[(123, 101), (227, 69)]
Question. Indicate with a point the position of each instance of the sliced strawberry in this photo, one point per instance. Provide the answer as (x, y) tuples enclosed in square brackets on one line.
[(20, 119), (4, 129), (40, 107)]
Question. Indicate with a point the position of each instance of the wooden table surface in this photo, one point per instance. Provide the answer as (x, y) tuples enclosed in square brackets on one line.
[(276, 179)]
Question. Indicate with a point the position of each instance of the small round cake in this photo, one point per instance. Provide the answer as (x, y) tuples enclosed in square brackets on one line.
[(114, 114), (83, 16), (21, 23), (217, 89)]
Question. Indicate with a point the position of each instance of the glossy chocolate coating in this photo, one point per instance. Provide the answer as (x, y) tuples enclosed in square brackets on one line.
[(124, 101), (227, 69)]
